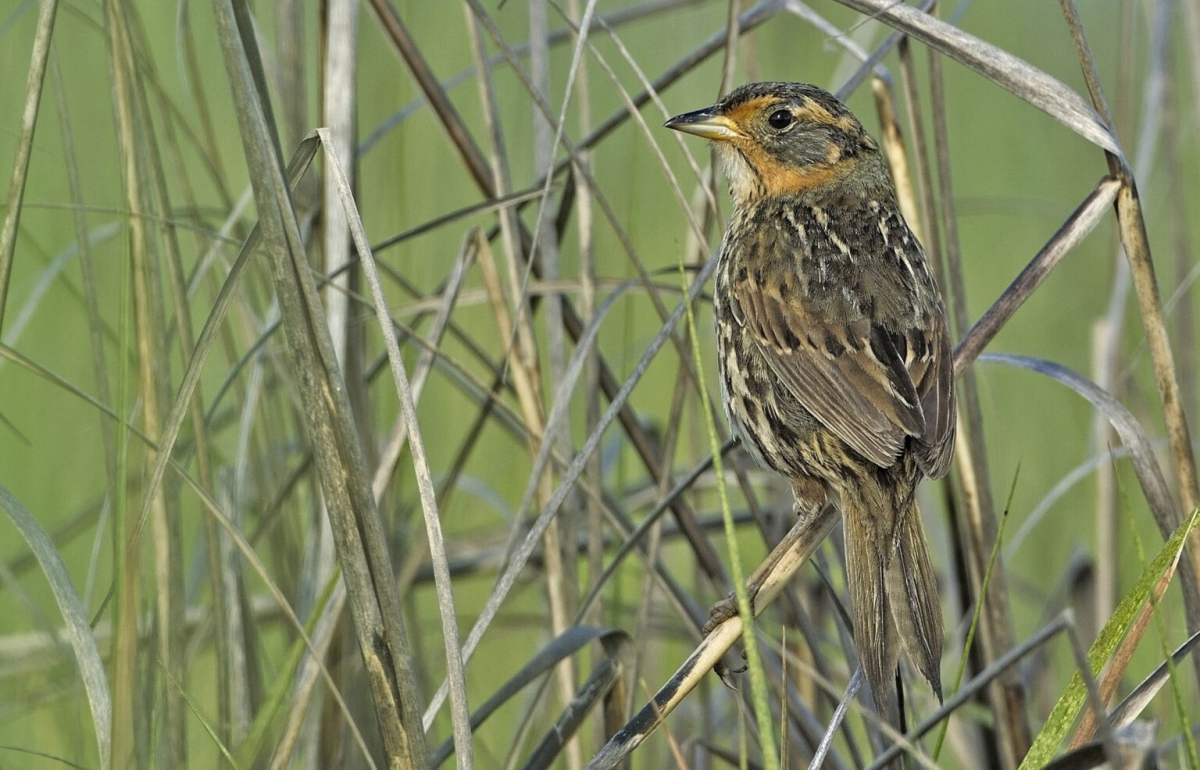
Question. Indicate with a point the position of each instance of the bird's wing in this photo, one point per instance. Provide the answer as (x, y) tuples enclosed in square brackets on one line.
[(933, 376), (872, 385)]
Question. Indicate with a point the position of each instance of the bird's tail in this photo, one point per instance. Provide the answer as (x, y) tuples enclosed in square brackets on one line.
[(893, 595)]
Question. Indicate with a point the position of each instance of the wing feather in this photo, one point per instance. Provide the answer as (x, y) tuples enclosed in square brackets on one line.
[(935, 448)]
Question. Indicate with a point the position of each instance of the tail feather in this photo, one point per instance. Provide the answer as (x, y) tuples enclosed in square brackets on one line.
[(874, 630), (912, 592), (893, 596)]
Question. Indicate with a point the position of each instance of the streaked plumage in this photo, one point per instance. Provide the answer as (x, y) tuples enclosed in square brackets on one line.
[(833, 347)]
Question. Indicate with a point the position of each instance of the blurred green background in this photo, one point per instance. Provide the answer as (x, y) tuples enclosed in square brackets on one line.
[(1017, 175)]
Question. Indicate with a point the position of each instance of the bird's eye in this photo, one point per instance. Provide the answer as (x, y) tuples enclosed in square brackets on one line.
[(780, 119)]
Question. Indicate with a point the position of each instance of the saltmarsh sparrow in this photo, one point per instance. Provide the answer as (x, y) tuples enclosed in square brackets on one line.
[(834, 354)]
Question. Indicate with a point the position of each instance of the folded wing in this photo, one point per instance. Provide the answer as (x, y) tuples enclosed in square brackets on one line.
[(873, 386)]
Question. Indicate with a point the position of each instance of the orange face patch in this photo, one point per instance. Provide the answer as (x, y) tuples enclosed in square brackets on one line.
[(785, 178), (779, 179)]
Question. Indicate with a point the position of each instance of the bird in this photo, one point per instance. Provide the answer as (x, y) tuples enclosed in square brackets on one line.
[(834, 354)]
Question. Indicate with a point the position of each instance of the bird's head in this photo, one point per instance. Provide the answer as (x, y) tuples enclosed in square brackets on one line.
[(776, 139)]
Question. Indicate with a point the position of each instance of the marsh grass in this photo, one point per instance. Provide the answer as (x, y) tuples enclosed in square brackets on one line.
[(341, 461)]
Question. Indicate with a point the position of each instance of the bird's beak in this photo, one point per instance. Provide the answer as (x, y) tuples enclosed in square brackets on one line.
[(707, 123)]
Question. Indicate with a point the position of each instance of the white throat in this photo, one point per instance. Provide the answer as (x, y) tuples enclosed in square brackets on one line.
[(743, 181)]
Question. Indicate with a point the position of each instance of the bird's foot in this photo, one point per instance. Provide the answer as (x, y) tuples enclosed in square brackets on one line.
[(719, 613)]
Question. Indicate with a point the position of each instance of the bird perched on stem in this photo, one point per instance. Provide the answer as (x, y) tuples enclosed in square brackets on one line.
[(834, 353)]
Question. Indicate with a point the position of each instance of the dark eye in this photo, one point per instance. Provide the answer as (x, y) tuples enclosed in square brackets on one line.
[(780, 119)]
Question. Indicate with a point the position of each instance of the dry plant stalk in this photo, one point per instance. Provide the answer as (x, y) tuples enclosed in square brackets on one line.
[(524, 360), (1136, 244), (893, 142), (353, 515), (996, 627), (791, 554), (160, 503)]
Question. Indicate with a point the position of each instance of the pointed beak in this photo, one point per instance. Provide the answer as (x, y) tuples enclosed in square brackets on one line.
[(707, 123)]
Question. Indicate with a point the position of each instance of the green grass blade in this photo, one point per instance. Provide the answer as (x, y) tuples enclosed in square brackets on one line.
[(281, 686), (199, 715), (1189, 742), (1067, 709), (758, 679)]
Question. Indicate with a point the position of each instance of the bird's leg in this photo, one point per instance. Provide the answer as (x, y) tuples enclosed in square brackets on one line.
[(810, 496)]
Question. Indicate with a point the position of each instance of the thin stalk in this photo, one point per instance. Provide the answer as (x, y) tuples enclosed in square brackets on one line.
[(791, 554), (138, 147), (1007, 694), (987, 576), (1145, 284), (20, 170), (758, 683)]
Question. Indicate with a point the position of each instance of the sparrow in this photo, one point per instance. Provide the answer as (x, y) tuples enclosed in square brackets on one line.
[(835, 362)]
